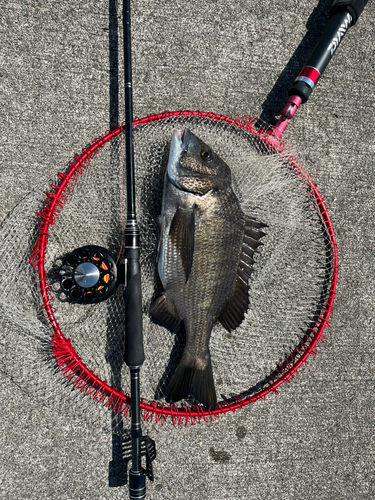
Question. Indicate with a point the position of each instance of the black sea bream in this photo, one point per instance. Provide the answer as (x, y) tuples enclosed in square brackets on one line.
[(205, 259)]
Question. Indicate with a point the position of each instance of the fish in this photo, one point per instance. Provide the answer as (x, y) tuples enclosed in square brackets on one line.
[(204, 261)]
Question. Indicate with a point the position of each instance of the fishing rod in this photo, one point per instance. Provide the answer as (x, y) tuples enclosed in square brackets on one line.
[(90, 275), (134, 352)]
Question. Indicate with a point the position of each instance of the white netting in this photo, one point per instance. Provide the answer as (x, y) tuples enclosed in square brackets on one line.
[(289, 284)]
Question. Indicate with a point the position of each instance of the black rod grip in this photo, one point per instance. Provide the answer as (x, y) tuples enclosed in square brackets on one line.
[(344, 14), (353, 7), (134, 352), (321, 55)]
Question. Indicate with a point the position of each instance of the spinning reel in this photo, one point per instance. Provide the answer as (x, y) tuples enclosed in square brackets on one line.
[(90, 275)]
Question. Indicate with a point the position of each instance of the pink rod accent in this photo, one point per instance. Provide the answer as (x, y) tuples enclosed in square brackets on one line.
[(287, 113)]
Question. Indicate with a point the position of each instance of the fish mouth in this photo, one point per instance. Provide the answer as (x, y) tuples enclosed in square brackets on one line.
[(180, 140), (176, 174), (185, 139), (179, 144)]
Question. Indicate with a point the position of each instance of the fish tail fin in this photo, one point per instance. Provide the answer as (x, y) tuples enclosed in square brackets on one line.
[(188, 380)]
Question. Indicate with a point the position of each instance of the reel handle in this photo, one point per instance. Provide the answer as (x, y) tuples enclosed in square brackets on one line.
[(134, 352)]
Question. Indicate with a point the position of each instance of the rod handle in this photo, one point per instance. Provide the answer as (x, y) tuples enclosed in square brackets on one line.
[(134, 352), (344, 14), (319, 58)]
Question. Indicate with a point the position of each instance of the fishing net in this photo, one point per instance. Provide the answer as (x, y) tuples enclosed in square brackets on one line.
[(291, 289)]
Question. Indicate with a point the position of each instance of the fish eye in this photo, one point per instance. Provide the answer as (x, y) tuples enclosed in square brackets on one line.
[(206, 155)]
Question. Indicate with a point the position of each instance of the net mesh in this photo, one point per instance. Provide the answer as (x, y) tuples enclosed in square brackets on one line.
[(289, 288)]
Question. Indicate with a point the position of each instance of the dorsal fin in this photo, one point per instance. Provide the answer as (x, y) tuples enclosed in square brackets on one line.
[(234, 313), (181, 233)]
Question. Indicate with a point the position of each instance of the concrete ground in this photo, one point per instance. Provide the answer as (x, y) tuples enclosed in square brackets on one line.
[(316, 439)]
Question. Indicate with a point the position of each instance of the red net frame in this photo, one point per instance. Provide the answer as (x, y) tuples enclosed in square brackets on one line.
[(85, 380)]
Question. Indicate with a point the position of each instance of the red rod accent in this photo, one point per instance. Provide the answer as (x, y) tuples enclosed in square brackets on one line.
[(311, 73)]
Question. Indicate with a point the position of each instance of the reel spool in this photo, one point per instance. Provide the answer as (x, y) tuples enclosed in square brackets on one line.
[(88, 275)]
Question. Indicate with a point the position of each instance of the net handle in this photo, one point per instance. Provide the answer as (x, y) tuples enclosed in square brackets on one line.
[(343, 15)]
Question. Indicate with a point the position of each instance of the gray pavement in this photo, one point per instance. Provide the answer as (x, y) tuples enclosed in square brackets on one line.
[(316, 439)]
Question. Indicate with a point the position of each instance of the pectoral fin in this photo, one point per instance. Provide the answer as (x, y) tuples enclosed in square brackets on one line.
[(235, 311), (181, 234)]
